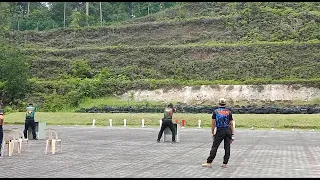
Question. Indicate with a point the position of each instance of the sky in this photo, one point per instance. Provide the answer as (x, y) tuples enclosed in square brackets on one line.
[(46, 3)]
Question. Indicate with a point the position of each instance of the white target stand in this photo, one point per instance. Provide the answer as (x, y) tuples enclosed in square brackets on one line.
[(167, 134), (110, 122), (142, 122), (199, 123)]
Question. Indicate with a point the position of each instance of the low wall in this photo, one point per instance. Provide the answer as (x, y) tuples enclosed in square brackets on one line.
[(208, 109)]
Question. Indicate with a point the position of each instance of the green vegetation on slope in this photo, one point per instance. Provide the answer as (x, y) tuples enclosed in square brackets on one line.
[(190, 44), (248, 25), (285, 60), (275, 21)]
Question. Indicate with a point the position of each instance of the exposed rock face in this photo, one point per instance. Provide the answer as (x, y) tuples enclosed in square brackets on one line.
[(231, 92), (191, 99)]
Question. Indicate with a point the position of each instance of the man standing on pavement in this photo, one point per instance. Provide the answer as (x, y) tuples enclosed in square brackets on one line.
[(222, 119), (1, 129), (167, 122), (30, 121)]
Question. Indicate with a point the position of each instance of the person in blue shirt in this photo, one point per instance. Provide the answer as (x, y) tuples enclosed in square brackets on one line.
[(223, 121), (30, 121)]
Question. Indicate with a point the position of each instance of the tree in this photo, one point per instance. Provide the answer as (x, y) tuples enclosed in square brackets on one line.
[(100, 13), (13, 74), (64, 14), (76, 17), (87, 12), (40, 19), (81, 69), (61, 13), (28, 11), (130, 5), (4, 16), (87, 8), (161, 5), (14, 67)]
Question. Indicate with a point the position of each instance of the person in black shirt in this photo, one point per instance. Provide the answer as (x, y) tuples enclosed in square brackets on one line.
[(167, 122), (1, 129), (222, 119)]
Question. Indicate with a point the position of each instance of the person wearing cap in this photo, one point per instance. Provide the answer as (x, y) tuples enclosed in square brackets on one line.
[(29, 122), (167, 122), (1, 129), (223, 121)]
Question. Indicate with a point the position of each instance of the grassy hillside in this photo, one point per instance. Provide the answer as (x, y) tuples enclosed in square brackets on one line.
[(193, 23), (208, 61), (192, 43)]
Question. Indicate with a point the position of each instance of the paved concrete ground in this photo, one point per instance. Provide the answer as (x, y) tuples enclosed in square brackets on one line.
[(133, 152)]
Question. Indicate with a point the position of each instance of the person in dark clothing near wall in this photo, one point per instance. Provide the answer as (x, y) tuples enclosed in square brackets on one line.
[(1, 128), (222, 119), (29, 122), (167, 122)]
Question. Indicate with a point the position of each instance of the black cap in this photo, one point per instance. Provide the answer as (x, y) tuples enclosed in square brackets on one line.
[(1, 111), (170, 105)]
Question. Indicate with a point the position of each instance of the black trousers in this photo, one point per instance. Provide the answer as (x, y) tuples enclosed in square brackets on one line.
[(1, 138), (221, 134), (30, 123), (164, 125)]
